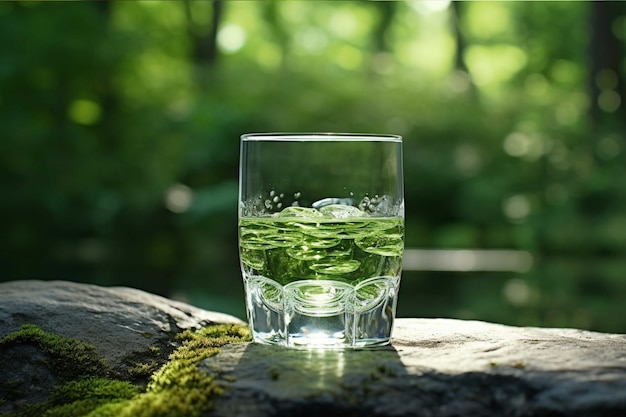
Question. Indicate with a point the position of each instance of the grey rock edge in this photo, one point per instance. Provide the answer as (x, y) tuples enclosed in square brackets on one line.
[(435, 367), (118, 321)]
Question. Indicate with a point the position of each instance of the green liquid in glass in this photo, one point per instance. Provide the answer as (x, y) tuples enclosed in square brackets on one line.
[(325, 277)]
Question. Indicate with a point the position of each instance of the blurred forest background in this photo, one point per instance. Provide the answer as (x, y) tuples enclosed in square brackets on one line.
[(121, 121)]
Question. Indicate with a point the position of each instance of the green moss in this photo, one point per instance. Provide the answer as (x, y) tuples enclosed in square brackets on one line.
[(138, 367), (79, 398), (175, 389), (70, 358), (139, 370)]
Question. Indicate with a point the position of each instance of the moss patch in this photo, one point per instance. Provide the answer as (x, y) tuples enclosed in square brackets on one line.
[(175, 389), (70, 358)]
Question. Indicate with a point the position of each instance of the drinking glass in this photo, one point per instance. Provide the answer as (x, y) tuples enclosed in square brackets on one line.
[(321, 237)]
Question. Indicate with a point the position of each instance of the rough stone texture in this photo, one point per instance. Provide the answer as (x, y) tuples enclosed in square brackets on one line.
[(121, 323), (435, 367), (118, 321)]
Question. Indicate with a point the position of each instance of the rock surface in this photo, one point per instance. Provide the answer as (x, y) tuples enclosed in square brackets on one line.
[(126, 327), (118, 321), (435, 367)]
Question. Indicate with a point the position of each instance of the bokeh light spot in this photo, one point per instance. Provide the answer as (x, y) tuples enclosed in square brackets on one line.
[(178, 198), (494, 63), (607, 79), (608, 147), (84, 112), (231, 38), (517, 207), (609, 101), (516, 144), (516, 292)]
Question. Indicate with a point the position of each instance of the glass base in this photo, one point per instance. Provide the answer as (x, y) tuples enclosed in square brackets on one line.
[(322, 314)]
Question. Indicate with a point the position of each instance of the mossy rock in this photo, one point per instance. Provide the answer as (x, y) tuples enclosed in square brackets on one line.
[(86, 386), (71, 349)]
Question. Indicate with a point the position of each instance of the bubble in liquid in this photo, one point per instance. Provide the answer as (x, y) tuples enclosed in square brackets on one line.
[(268, 204), (297, 195), (272, 193), (365, 203), (276, 199)]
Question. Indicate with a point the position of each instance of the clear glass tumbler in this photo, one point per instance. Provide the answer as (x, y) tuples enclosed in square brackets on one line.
[(321, 237)]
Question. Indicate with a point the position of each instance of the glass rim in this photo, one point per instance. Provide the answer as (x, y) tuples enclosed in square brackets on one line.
[(320, 136)]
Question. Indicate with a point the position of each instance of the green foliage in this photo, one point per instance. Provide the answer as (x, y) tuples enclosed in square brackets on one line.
[(119, 158)]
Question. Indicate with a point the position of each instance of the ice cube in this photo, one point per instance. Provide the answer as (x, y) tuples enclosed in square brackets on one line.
[(340, 211), (328, 201), (300, 212)]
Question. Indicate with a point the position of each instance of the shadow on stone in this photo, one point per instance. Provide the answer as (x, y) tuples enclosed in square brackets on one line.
[(273, 381)]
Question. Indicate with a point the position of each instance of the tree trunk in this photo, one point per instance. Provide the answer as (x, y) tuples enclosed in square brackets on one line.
[(605, 54), (459, 39), (386, 11), (271, 15), (204, 42), (461, 72)]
